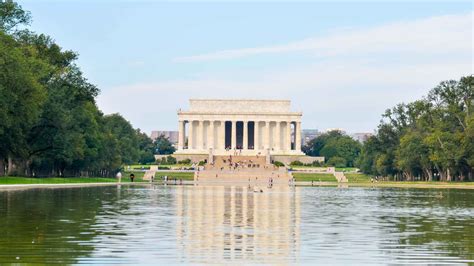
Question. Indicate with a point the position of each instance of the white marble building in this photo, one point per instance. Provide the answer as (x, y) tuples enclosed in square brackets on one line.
[(252, 127)]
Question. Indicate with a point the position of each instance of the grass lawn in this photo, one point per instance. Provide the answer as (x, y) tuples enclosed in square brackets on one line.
[(358, 178), (339, 169), (314, 177), (346, 169), (147, 166), (306, 166), (177, 175), (13, 180)]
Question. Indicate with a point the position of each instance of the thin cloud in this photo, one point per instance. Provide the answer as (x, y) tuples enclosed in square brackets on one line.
[(337, 94), (447, 34), (363, 72)]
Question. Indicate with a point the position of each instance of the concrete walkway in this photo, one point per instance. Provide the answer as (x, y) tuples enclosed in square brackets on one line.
[(66, 185)]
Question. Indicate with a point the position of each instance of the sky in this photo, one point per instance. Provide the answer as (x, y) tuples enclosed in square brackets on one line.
[(340, 63)]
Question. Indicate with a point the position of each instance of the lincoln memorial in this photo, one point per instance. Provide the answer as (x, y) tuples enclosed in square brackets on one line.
[(252, 127)]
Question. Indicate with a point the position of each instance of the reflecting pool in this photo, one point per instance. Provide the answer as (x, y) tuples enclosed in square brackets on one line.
[(217, 224)]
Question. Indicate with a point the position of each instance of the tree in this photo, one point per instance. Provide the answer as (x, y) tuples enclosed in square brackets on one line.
[(12, 15), (163, 145), (49, 120), (334, 144), (22, 97), (412, 156), (337, 161), (426, 138), (146, 148)]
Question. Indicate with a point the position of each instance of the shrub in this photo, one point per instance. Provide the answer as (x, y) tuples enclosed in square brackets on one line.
[(170, 160), (296, 163), (279, 164), (316, 163), (185, 161), (337, 162), (163, 168), (202, 163)]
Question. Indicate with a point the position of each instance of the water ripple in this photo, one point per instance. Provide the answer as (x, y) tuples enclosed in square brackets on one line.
[(217, 224)]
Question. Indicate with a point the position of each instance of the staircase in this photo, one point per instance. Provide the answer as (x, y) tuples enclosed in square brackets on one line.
[(148, 174), (242, 169), (341, 178)]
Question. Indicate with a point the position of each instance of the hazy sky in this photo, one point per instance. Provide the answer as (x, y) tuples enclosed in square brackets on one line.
[(341, 63)]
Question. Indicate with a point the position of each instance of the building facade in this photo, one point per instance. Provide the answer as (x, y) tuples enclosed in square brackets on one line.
[(308, 135), (250, 126), (361, 137), (172, 136)]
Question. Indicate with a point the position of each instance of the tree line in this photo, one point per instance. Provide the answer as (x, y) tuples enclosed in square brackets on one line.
[(428, 139), (50, 124)]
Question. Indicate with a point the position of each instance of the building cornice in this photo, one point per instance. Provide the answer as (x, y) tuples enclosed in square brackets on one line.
[(239, 113), (240, 100)]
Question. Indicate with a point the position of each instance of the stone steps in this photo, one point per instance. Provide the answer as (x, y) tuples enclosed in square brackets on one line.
[(260, 176), (251, 169), (341, 178), (243, 179), (223, 161), (148, 174)]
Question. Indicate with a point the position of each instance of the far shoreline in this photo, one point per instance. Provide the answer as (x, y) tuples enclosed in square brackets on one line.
[(382, 184)]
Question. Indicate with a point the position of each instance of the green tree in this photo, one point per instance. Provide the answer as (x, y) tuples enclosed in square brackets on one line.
[(334, 144), (412, 156), (22, 97), (49, 121), (337, 161), (163, 145), (426, 138), (146, 148), (12, 15)]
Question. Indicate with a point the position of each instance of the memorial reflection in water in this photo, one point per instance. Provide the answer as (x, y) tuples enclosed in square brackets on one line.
[(217, 222)]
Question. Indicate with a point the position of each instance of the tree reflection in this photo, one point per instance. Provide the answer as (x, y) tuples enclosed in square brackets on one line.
[(48, 225), (438, 222)]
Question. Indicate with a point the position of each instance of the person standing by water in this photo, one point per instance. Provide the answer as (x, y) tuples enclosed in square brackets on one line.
[(119, 177), (132, 176)]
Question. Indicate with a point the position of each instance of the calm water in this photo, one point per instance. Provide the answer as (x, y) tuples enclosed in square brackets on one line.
[(216, 224)]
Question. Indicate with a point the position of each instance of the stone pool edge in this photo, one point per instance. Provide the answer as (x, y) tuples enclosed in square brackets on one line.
[(223, 183)]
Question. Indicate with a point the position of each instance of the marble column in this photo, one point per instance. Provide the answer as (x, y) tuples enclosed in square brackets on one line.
[(256, 138), (277, 139), (204, 139), (199, 135), (245, 136), (221, 135), (234, 134), (288, 136), (298, 136), (210, 133), (181, 135), (266, 135), (191, 135)]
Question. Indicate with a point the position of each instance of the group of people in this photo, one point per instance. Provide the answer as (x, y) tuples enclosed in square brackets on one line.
[(239, 164), (236, 151), (119, 177), (152, 178)]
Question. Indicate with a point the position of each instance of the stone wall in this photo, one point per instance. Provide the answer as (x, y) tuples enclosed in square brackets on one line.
[(287, 159), (195, 158)]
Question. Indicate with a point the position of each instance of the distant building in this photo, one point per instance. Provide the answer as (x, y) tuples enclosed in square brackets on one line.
[(343, 131), (308, 134), (171, 135), (361, 137)]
